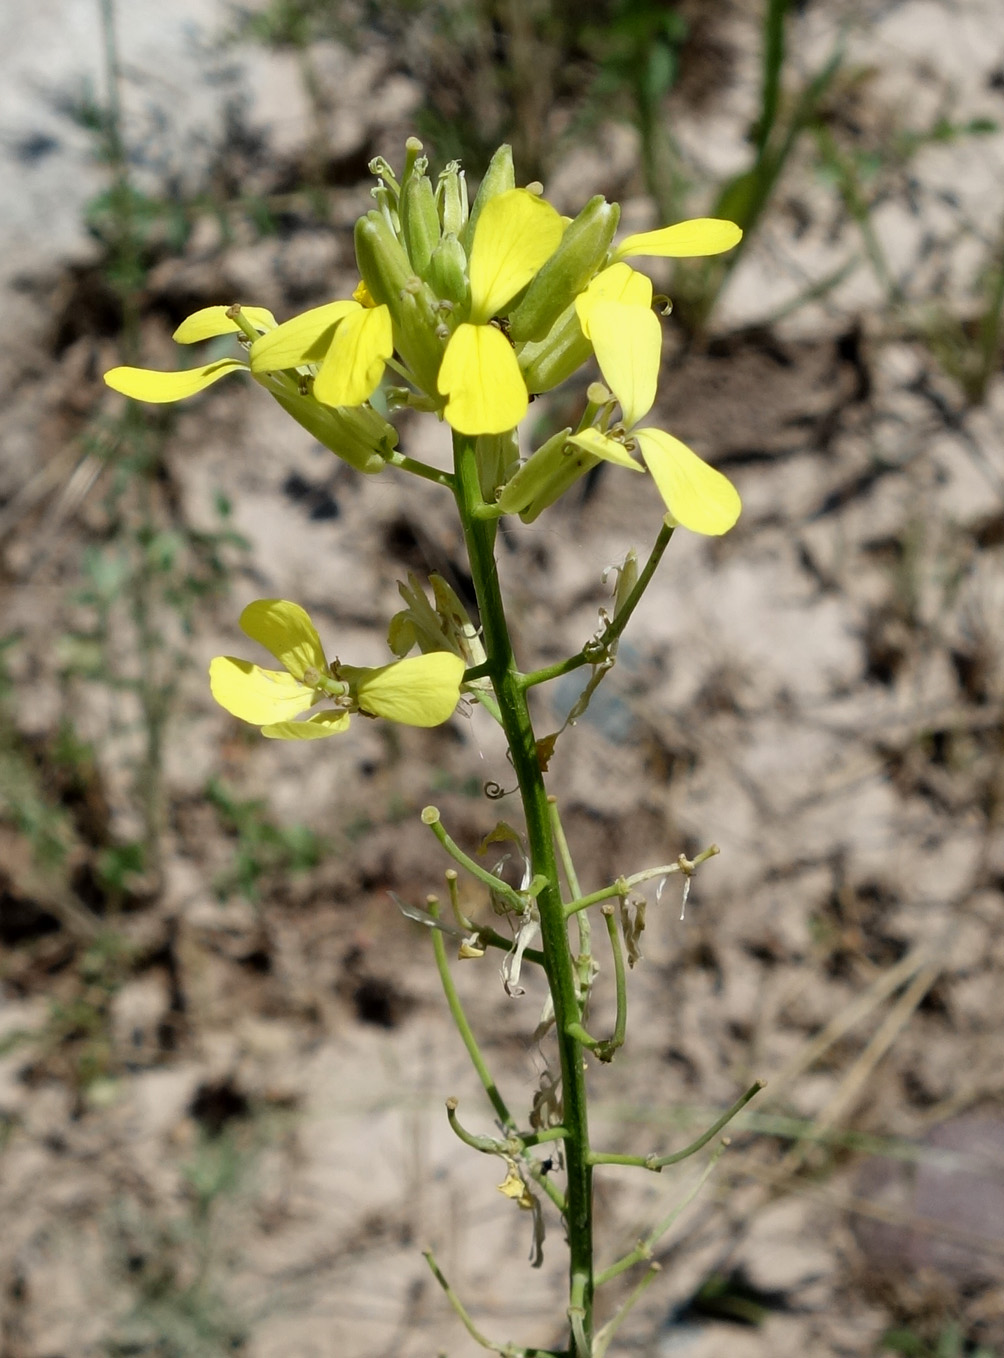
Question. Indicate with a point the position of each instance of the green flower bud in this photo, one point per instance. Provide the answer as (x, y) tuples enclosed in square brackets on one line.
[(548, 362), (566, 273), (447, 274), (627, 578), (451, 194), (575, 463), (538, 473), (419, 222), (387, 273), (499, 177), (356, 434), (496, 456)]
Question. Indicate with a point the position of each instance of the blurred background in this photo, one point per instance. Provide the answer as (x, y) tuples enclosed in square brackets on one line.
[(223, 1052)]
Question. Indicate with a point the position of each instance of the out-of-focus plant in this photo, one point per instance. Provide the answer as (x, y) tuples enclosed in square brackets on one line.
[(261, 848)]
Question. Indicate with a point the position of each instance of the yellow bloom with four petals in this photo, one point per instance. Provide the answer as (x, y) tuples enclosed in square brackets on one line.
[(616, 317), (419, 691)]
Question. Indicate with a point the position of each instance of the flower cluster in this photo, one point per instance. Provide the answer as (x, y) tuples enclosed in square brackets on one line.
[(476, 308)]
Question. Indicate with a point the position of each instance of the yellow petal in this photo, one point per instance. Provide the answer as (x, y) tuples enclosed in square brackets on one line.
[(696, 495), (600, 445), (144, 384), (321, 724), (684, 240), (627, 341), (480, 374), (516, 233), (619, 283), (302, 339), (420, 691), (254, 694), (213, 320), (354, 365), (285, 629)]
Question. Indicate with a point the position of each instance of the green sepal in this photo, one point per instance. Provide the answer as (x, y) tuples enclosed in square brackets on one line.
[(387, 273), (548, 362), (566, 273), (538, 473), (357, 434), (499, 177), (419, 222), (447, 274)]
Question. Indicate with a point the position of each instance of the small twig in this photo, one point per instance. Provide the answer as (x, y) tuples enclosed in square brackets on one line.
[(515, 901), (623, 885), (464, 1028), (597, 648), (659, 1162), (643, 1250)]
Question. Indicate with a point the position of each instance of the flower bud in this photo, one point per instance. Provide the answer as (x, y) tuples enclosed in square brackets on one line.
[(496, 455), (548, 362), (582, 249), (387, 273), (537, 473), (453, 193), (499, 177), (627, 578), (357, 434), (447, 274), (419, 222)]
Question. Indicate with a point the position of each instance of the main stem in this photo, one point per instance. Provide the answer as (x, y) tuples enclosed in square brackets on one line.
[(558, 962)]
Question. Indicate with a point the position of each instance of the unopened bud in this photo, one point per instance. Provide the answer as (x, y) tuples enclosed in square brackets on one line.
[(499, 177), (447, 274), (419, 222), (452, 193), (537, 473), (582, 249), (627, 578), (356, 434), (548, 362), (387, 272)]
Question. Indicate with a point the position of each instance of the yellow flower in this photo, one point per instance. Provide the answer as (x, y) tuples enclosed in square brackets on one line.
[(350, 342), (616, 317), (143, 384), (420, 691), (516, 233)]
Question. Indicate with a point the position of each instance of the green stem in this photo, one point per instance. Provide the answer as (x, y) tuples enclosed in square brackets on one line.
[(422, 469), (430, 817), (659, 1162), (596, 649), (644, 1248), (558, 962), (585, 958), (625, 884), (620, 981), (464, 1029)]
